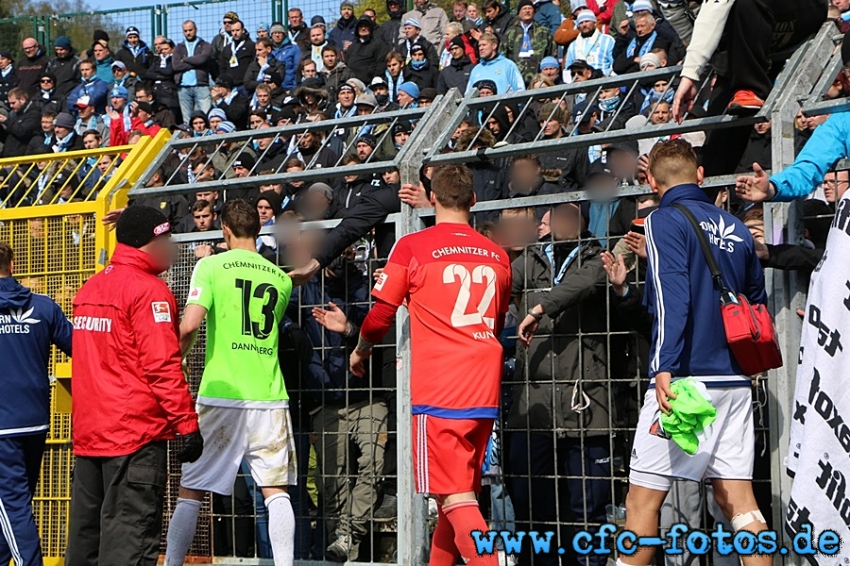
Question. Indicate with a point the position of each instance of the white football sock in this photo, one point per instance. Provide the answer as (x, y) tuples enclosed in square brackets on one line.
[(281, 529), (181, 531)]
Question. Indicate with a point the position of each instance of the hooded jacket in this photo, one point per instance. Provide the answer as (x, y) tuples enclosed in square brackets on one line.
[(501, 71), (66, 70), (95, 89), (335, 78), (129, 388), (29, 70), (366, 58), (137, 60), (501, 22), (29, 324), (455, 75), (343, 31), (103, 69), (389, 31), (426, 77)]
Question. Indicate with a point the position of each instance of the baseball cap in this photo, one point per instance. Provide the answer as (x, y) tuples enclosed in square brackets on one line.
[(231, 16), (428, 93), (120, 65), (83, 101), (366, 99), (579, 64), (6, 54), (139, 225), (378, 81), (582, 112)]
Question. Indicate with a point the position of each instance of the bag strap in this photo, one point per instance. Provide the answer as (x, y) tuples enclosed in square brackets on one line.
[(716, 274)]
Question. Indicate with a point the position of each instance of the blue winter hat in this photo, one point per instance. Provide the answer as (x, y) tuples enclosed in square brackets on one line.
[(263, 27), (641, 6), (63, 42), (225, 127), (585, 16), (549, 62), (409, 88), (412, 22), (216, 113), (119, 92)]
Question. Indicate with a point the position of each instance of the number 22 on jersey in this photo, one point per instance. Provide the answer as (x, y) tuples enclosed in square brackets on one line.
[(484, 311)]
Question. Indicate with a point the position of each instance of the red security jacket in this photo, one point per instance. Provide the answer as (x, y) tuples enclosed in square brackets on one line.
[(128, 385)]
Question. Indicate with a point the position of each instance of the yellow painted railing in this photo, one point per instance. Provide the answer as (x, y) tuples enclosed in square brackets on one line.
[(58, 245)]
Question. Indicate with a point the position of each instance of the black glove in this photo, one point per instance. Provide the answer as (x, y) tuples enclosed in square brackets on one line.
[(193, 447)]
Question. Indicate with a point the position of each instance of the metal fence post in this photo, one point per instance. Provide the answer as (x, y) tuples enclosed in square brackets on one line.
[(783, 224)]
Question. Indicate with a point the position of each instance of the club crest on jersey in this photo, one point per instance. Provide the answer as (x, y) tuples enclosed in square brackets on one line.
[(161, 311), (382, 278)]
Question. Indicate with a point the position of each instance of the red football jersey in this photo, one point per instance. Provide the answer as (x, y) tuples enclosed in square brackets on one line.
[(457, 285)]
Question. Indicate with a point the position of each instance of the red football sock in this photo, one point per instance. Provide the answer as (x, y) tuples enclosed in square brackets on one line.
[(465, 517), (443, 549)]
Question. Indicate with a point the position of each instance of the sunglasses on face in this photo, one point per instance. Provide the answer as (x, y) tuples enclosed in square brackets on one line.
[(46, 81)]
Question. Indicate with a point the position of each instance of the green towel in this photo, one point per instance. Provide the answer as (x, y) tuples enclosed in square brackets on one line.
[(692, 413)]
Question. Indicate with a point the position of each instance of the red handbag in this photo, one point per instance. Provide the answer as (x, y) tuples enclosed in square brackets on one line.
[(749, 328)]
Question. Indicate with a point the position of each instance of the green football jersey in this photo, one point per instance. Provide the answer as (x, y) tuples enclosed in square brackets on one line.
[(245, 296)]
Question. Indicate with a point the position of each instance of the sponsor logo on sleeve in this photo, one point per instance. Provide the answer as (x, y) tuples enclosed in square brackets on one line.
[(379, 285), (195, 293), (161, 311)]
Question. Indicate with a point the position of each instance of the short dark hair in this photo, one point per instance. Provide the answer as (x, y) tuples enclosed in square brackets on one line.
[(673, 161), (145, 86), (87, 62), (265, 41), (201, 205), (7, 254), (293, 162), (48, 114), (94, 133), (241, 218), (452, 186), (330, 47)]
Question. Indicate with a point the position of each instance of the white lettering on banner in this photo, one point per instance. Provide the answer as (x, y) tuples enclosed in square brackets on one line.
[(161, 311), (93, 323)]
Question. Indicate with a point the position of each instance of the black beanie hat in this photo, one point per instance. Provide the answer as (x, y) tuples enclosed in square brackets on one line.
[(138, 225), (274, 200)]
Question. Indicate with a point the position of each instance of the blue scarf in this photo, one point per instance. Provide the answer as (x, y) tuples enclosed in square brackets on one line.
[(600, 213), (644, 49), (549, 250)]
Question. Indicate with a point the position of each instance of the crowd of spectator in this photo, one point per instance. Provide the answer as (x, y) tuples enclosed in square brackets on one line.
[(312, 71)]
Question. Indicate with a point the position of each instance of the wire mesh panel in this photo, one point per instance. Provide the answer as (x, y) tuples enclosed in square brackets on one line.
[(344, 434), (79, 26), (58, 178), (54, 255), (14, 30), (208, 16)]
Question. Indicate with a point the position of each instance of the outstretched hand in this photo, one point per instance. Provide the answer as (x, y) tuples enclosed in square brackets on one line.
[(684, 100), (754, 188), (332, 318)]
